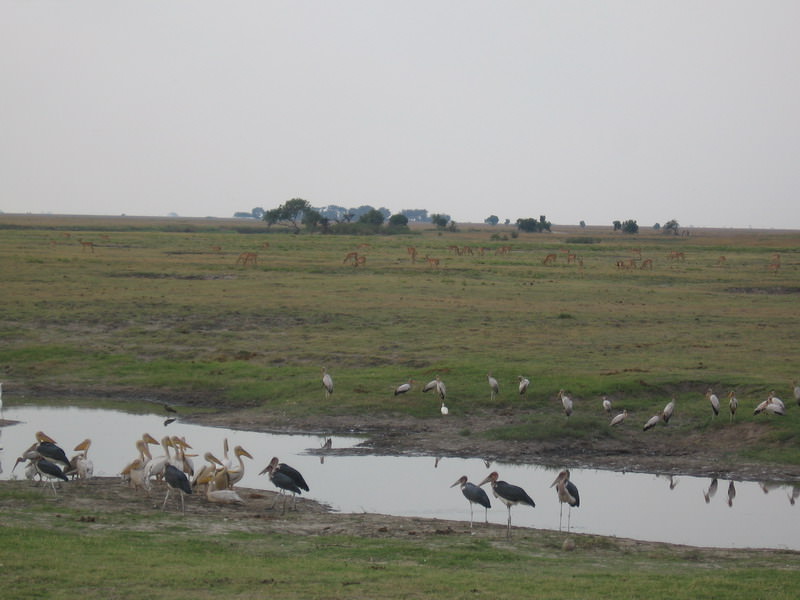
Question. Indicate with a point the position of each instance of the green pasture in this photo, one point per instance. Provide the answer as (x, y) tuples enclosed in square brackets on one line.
[(160, 307), (49, 549)]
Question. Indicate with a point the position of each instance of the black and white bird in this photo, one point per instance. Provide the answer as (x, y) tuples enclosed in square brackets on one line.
[(283, 482), (176, 480), (508, 494), (567, 494), (49, 450), (403, 387), (49, 471), (618, 419), (652, 422), (475, 495)]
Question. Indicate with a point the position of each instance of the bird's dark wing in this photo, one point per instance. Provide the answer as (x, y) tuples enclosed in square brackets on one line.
[(51, 469), (52, 452), (294, 475), (283, 481), (513, 493), (476, 494), (177, 479), (573, 491)]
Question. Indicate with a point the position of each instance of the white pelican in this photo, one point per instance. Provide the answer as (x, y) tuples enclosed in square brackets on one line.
[(84, 467), (235, 473)]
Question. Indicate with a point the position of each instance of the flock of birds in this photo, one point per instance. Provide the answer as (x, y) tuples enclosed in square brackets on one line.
[(174, 468)]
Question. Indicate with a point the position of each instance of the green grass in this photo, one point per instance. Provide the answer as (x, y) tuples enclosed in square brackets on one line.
[(157, 309)]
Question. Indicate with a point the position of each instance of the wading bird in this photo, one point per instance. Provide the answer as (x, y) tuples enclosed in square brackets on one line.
[(445, 410), (286, 471), (795, 391), (733, 404), (524, 382), (566, 402), (438, 385), (83, 466), (607, 405), (618, 419), (494, 386), (668, 411), (283, 482), (49, 450), (403, 387), (176, 480), (567, 493), (475, 495), (508, 494), (712, 398), (49, 471), (327, 383), (651, 422), (233, 472)]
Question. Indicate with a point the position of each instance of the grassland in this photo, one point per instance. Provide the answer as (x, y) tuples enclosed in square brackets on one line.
[(161, 309)]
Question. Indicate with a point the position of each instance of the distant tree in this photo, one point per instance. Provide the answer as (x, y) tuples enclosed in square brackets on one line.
[(440, 220), (257, 213), (630, 226), (333, 212), (492, 220), (544, 224), (291, 213), (617, 225), (242, 215), (531, 225), (372, 217), (583, 224), (416, 214), (507, 222), (398, 220), (672, 227), (657, 226)]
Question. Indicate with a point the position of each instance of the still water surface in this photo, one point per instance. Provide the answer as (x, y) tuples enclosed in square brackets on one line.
[(631, 505)]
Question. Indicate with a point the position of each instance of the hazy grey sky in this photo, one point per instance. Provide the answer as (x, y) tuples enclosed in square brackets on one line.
[(577, 110)]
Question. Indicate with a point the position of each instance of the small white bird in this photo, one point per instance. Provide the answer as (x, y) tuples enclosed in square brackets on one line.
[(524, 382), (652, 422), (668, 411), (618, 419), (445, 411), (606, 404), (494, 386)]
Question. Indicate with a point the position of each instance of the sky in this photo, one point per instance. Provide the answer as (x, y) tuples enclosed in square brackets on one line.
[(589, 111)]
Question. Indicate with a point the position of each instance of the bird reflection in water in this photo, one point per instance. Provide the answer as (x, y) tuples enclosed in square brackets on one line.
[(731, 493), (794, 495), (712, 489)]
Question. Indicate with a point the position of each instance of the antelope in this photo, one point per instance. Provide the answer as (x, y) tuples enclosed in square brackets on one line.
[(85, 245), (247, 257), (432, 262), (412, 252), (350, 256), (360, 261), (550, 258), (647, 264), (721, 261)]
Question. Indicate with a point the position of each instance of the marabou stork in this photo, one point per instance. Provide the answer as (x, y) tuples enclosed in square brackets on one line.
[(48, 449), (49, 471), (327, 383), (475, 495), (524, 382), (290, 472), (567, 493), (176, 479), (403, 387), (283, 482), (508, 494), (494, 386)]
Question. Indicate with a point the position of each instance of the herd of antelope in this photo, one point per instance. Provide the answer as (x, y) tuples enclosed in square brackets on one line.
[(358, 258)]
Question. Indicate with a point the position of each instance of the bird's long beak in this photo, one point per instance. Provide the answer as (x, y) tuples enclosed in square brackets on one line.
[(84, 445), (43, 437), (558, 479), (211, 458), (265, 469), (456, 483), (243, 452), (487, 480)]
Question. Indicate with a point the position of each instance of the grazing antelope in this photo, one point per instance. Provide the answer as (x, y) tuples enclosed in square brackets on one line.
[(647, 264), (246, 258), (412, 252), (350, 256), (550, 258), (85, 245), (432, 262)]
